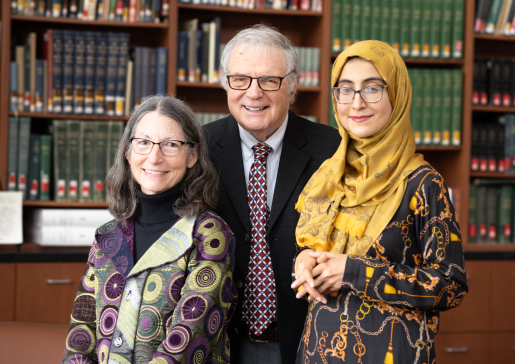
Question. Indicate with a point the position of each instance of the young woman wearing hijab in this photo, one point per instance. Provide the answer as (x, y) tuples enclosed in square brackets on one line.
[(379, 242)]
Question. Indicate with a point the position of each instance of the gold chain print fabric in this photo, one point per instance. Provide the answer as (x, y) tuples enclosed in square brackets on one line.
[(387, 310)]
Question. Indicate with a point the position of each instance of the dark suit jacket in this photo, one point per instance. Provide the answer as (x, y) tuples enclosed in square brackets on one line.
[(306, 145)]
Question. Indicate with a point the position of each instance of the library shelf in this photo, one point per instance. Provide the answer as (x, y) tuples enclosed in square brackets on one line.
[(66, 204), (495, 37), (231, 9), (492, 175), (68, 116), (489, 247), (438, 148), (497, 109), (74, 22)]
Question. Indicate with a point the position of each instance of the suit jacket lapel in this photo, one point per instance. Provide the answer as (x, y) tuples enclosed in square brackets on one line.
[(232, 173), (292, 164)]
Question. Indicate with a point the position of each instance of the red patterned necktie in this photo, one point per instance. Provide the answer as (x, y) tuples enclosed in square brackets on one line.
[(259, 303)]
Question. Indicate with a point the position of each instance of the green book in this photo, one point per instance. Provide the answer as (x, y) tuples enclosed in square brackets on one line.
[(45, 166), (72, 159), (505, 211), (32, 192), (427, 107), (416, 18), (425, 28), (386, 10), (301, 51), (473, 214), (457, 92), (336, 32), (99, 160), (114, 135), (346, 24), (481, 214), (23, 154), (59, 156), (366, 16), (457, 29), (355, 29), (395, 21), (417, 84), (375, 21), (434, 29), (446, 113), (404, 32), (308, 65), (12, 162), (316, 67), (87, 139), (493, 14), (437, 107), (446, 29)]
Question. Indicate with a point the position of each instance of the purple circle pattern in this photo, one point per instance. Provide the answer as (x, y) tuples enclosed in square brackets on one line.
[(80, 339), (111, 242), (101, 258), (80, 359), (197, 352), (84, 308), (177, 339), (193, 308), (143, 353), (215, 246), (213, 322), (103, 350), (174, 288), (122, 262), (149, 325), (113, 288), (107, 322)]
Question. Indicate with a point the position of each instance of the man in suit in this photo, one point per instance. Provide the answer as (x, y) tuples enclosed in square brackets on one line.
[(265, 155)]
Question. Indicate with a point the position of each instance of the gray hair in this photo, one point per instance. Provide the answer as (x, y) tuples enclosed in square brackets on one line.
[(200, 184), (266, 38)]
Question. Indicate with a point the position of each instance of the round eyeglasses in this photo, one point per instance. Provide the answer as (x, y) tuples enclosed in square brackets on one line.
[(265, 83), (372, 93), (169, 148)]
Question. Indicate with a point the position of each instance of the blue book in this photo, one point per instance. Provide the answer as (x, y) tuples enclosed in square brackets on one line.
[(68, 70), (79, 53), (121, 77), (162, 62), (182, 55), (218, 23), (13, 86), (199, 56), (26, 79), (111, 72), (138, 70), (152, 72), (100, 72), (145, 72), (89, 73), (39, 84)]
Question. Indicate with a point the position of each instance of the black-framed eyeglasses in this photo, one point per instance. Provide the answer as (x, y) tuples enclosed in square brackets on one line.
[(371, 93), (169, 148), (265, 83)]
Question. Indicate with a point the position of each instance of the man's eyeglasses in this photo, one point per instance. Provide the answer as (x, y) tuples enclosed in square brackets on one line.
[(265, 83), (169, 148), (372, 93)]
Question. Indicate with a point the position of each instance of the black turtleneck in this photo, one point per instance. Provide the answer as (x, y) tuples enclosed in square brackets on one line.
[(154, 216)]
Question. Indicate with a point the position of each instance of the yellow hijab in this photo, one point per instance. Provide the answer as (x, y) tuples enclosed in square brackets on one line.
[(352, 197)]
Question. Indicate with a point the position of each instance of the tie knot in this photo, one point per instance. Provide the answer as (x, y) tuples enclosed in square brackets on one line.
[(261, 151)]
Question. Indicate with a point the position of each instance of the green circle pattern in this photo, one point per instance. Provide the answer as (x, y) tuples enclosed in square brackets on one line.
[(154, 288)]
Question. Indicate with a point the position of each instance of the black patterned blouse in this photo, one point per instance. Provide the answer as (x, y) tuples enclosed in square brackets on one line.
[(387, 310)]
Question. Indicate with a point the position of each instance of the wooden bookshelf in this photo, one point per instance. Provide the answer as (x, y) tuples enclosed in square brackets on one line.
[(67, 116), (94, 23)]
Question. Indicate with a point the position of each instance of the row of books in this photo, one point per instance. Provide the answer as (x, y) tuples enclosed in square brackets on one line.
[(63, 227), (494, 82), (85, 73), (314, 5), (492, 211), (415, 28), (70, 164), (495, 17), (131, 11), (493, 146)]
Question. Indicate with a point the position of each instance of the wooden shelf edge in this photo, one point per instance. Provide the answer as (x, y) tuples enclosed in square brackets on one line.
[(36, 203), (51, 20), (494, 37), (428, 61), (68, 116), (492, 175), (494, 109), (489, 247), (437, 148), (253, 11)]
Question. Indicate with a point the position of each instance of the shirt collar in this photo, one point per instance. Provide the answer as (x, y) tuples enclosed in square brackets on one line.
[(274, 141)]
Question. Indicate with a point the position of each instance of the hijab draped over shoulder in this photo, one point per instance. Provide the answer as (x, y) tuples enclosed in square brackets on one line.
[(352, 197)]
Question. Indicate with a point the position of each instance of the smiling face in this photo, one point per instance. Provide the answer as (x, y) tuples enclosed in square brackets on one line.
[(259, 112), (156, 172), (360, 118)]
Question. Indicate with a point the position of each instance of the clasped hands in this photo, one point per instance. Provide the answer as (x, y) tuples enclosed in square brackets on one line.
[(319, 273)]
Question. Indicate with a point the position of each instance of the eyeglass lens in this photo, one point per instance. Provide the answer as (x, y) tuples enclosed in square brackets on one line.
[(169, 148), (369, 94), (266, 83)]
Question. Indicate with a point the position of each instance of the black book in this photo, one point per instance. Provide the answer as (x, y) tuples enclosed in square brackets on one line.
[(491, 147), (495, 87), (506, 76), (492, 201), (483, 148), (483, 6), (499, 146), (474, 157), (476, 83), (483, 81)]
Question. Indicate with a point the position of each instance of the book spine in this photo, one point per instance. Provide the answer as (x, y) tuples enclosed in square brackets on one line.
[(218, 25), (114, 135), (506, 92), (68, 58), (100, 72), (457, 100), (457, 29), (23, 154), (13, 86), (123, 57), (59, 159), (336, 31), (152, 72), (48, 43), (89, 73), (481, 214), (435, 29), (475, 149), (99, 158), (79, 68), (204, 66), (34, 166), (404, 41), (45, 167), (473, 233), (483, 148), (425, 28), (493, 13), (481, 15), (512, 142), (31, 41), (72, 158), (366, 16), (138, 72), (500, 146), (416, 19), (301, 51), (447, 100), (39, 101), (492, 204), (198, 70), (436, 126), (86, 141), (427, 110), (111, 72), (162, 62), (446, 29), (395, 21), (491, 148), (316, 67), (12, 161), (347, 24), (385, 21), (355, 29), (20, 61), (129, 91), (27, 79)]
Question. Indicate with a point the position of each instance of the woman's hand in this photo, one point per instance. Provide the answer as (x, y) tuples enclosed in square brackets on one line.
[(304, 264), (329, 270)]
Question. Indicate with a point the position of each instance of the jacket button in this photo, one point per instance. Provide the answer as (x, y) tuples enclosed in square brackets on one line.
[(247, 237), (239, 284)]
